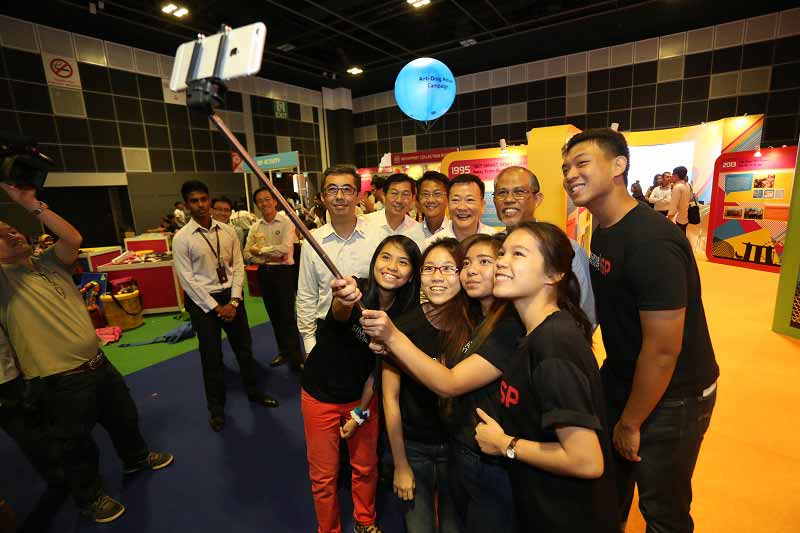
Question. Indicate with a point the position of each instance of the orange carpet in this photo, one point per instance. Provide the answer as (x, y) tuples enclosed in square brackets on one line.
[(748, 475)]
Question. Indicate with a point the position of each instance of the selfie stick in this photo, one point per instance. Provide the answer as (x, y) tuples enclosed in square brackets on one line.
[(206, 94)]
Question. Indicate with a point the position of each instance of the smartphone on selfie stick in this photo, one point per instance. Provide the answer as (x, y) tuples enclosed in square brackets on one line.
[(201, 69)]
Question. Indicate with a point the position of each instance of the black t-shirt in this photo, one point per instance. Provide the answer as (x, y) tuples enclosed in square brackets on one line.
[(419, 406), (498, 349), (341, 361), (553, 381), (645, 263)]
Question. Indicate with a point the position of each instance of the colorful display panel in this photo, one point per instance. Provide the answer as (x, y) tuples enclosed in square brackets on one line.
[(750, 202)]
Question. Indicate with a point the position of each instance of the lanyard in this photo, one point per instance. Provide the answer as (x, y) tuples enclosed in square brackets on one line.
[(216, 253)]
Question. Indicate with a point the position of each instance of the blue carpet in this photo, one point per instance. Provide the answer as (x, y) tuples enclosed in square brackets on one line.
[(251, 477)]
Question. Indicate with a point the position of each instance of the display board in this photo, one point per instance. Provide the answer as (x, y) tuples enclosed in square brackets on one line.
[(751, 194), (786, 319), (486, 164)]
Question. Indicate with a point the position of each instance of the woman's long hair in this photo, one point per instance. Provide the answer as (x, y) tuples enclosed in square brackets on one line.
[(456, 317), (557, 252), (498, 308), (406, 296)]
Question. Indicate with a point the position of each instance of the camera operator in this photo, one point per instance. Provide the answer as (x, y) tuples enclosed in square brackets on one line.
[(48, 327)]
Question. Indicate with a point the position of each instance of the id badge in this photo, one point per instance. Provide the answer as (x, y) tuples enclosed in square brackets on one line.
[(223, 277)]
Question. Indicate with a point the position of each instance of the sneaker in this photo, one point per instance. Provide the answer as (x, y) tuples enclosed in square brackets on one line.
[(104, 509), (371, 528), (153, 461)]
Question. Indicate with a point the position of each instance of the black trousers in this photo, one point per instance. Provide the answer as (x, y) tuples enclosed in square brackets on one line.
[(209, 333), (278, 289), (74, 404), (23, 421), (671, 438)]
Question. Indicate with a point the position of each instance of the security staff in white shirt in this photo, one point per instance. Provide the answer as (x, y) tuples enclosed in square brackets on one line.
[(270, 244), (432, 202), (208, 262), (348, 240), (466, 204), (400, 191)]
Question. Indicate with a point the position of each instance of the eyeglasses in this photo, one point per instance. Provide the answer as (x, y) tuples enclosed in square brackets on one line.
[(332, 191), (427, 195), (444, 270), (393, 194), (518, 194)]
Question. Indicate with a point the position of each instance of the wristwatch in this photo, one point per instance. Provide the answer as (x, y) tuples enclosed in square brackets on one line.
[(234, 302), (38, 211), (511, 451)]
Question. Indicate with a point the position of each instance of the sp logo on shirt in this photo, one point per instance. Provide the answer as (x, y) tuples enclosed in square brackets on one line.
[(508, 395), (603, 265)]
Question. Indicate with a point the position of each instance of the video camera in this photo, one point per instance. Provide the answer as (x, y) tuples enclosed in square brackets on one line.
[(21, 162)]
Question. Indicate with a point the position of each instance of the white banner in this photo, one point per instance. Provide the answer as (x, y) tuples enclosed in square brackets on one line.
[(61, 71)]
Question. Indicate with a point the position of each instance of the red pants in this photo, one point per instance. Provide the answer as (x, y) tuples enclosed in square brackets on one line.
[(321, 422)]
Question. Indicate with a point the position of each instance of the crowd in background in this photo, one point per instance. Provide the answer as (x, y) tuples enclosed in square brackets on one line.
[(467, 347)]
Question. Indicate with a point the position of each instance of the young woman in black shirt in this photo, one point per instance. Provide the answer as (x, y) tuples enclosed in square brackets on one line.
[(337, 396), (471, 374), (552, 422), (417, 433)]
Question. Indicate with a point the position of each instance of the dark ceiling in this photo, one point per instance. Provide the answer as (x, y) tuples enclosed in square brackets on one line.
[(380, 36)]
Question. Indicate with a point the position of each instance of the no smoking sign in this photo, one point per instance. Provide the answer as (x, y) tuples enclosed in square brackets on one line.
[(61, 68), (61, 71)]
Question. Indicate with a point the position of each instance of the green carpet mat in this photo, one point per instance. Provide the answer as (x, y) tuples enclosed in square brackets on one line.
[(129, 360)]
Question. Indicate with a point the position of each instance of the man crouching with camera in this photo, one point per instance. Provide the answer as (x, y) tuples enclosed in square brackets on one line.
[(45, 319)]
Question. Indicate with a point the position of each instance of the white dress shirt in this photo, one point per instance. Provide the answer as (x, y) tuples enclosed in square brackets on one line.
[(351, 255), (408, 227), (180, 217), (196, 263), (276, 239), (661, 197), (447, 231)]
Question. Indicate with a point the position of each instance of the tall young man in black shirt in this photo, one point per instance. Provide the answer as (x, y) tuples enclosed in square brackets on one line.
[(660, 373)]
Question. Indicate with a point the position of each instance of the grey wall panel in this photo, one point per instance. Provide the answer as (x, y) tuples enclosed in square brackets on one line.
[(153, 194)]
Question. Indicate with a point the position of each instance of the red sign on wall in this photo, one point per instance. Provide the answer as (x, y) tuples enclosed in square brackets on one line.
[(486, 169), (420, 158)]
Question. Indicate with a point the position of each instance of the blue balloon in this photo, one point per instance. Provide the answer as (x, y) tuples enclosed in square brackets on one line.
[(425, 89)]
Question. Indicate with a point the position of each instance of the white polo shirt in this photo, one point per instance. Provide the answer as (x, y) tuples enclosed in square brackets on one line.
[(447, 231), (408, 227)]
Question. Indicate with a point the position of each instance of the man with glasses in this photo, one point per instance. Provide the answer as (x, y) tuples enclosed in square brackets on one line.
[(465, 200), (432, 202), (399, 191), (221, 211), (45, 319), (348, 240), (516, 197)]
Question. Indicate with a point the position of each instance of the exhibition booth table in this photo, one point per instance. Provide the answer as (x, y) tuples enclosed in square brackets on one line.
[(91, 259), (157, 283)]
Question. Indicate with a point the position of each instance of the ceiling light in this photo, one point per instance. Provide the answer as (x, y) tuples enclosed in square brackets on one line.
[(169, 8), (286, 47), (419, 3), (468, 42), (181, 12), (355, 71)]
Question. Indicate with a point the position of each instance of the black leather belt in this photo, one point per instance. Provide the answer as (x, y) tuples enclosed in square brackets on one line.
[(92, 364)]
